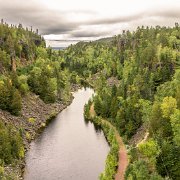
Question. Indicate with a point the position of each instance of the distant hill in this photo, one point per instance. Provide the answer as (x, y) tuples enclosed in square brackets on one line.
[(58, 48), (107, 39)]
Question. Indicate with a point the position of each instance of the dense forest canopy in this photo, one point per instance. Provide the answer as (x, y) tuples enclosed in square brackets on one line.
[(146, 65), (24, 60), (26, 67)]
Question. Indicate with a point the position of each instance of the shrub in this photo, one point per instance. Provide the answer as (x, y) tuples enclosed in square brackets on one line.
[(11, 144)]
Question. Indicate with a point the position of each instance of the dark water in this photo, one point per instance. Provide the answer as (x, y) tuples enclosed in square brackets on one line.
[(69, 148)]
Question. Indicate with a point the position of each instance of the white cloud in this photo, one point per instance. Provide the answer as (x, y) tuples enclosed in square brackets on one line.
[(89, 19)]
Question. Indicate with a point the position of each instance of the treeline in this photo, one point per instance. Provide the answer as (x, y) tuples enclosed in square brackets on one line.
[(18, 43), (13, 143), (112, 157), (89, 58), (146, 62), (26, 66), (17, 48), (11, 147)]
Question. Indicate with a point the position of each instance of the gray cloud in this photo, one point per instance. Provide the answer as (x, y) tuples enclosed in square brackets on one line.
[(156, 13), (116, 20), (49, 21), (168, 12), (88, 34), (38, 16)]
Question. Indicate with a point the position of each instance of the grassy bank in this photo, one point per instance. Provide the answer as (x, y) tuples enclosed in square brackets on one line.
[(112, 169)]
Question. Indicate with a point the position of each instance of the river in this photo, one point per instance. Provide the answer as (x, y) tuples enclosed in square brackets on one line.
[(69, 148)]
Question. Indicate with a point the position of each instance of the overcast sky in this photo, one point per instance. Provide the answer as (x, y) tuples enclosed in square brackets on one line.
[(89, 19)]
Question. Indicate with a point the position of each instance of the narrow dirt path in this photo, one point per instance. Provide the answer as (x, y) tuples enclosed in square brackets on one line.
[(123, 157), (123, 160)]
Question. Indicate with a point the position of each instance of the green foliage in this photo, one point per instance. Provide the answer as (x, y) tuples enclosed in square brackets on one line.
[(139, 171), (15, 105), (38, 69), (87, 110), (10, 98), (55, 83), (4, 60), (175, 123), (146, 109), (41, 52), (112, 158), (11, 144), (17, 48), (97, 105), (22, 84), (150, 149), (146, 62), (168, 106), (168, 161), (31, 120)]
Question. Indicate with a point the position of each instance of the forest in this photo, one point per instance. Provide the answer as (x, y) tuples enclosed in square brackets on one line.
[(146, 63), (146, 95), (24, 60)]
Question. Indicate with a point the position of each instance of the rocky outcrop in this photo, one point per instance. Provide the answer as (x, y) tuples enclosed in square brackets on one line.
[(112, 81), (33, 117), (32, 108), (140, 135)]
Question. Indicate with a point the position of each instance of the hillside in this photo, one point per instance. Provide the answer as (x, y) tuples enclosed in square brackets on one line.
[(34, 86), (136, 76), (145, 104)]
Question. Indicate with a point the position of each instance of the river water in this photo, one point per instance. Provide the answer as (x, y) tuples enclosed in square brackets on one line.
[(69, 148)]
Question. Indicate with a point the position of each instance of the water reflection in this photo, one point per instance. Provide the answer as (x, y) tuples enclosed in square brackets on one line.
[(69, 148)]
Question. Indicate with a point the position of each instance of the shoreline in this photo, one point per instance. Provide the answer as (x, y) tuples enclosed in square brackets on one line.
[(122, 152), (33, 107)]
